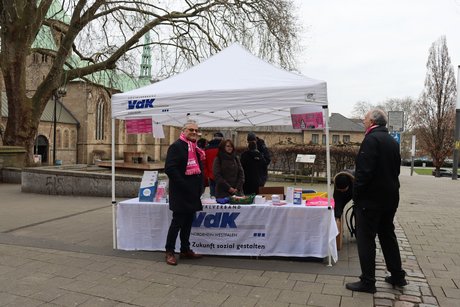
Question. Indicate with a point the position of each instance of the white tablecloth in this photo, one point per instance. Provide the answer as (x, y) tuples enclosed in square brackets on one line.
[(240, 230)]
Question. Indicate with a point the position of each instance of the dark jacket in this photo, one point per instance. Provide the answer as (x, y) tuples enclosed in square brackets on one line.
[(341, 198), (253, 164), (228, 173), (377, 171), (184, 190), (211, 152), (266, 154)]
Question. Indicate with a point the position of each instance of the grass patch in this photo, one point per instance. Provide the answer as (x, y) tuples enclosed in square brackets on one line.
[(423, 171)]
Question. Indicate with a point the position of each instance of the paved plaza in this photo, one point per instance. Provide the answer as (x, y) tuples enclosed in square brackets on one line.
[(58, 251)]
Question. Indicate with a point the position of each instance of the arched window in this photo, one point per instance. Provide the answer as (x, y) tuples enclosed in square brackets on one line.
[(66, 138), (100, 120), (73, 138), (58, 138)]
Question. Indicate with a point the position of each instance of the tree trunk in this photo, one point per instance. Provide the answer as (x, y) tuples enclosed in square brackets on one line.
[(437, 172), (22, 126), (23, 113)]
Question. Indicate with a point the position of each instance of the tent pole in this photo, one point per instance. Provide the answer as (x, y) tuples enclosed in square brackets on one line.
[(328, 176), (114, 203)]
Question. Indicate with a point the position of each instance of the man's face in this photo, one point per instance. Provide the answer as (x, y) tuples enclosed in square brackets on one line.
[(367, 120), (191, 132)]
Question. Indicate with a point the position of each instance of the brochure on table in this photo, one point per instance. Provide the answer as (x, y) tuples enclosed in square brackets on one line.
[(148, 186)]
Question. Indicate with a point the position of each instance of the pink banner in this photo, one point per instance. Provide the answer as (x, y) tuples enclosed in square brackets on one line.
[(307, 121), (137, 126)]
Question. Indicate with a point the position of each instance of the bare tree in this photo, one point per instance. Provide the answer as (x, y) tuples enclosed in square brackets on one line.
[(360, 109), (407, 105), (392, 104), (99, 35), (436, 107)]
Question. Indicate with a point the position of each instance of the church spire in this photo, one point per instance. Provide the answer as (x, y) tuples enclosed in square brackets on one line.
[(146, 62)]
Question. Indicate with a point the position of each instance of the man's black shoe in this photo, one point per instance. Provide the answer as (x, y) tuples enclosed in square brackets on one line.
[(396, 282), (360, 286)]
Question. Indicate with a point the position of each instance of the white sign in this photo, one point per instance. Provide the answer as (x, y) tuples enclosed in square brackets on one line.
[(413, 146), (305, 158), (396, 121)]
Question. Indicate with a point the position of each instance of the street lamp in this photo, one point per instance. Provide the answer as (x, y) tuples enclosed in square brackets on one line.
[(58, 93)]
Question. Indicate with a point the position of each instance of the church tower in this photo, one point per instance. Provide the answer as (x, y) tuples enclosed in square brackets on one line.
[(145, 75)]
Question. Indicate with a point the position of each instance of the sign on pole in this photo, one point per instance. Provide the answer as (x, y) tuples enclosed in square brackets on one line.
[(396, 121), (396, 136), (305, 158)]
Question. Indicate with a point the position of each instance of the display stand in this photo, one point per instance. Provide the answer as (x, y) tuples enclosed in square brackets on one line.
[(310, 159)]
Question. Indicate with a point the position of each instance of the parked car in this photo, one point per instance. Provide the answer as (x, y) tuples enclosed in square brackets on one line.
[(442, 172), (418, 162)]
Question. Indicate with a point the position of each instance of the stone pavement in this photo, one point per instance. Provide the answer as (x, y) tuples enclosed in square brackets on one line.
[(57, 251)]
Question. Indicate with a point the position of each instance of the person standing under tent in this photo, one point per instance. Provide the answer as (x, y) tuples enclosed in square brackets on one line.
[(376, 199), (211, 151), (265, 153), (253, 163), (228, 172), (184, 167)]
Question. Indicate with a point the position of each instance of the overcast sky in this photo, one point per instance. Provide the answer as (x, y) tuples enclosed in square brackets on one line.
[(374, 50)]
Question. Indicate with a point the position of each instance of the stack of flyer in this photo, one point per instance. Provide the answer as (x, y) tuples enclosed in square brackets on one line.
[(161, 195), (148, 186)]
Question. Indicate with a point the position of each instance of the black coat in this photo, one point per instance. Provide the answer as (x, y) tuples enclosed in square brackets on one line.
[(377, 171), (228, 173), (254, 164), (184, 190), (266, 154)]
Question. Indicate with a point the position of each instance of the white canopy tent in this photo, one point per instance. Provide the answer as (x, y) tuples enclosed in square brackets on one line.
[(233, 88)]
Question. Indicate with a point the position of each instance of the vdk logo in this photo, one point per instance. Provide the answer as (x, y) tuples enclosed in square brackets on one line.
[(218, 220), (140, 104)]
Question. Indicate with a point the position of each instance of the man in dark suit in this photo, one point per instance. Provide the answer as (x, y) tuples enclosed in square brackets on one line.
[(376, 199), (262, 148), (184, 168)]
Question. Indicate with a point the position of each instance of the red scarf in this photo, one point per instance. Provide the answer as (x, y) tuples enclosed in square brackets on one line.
[(193, 167), (370, 128)]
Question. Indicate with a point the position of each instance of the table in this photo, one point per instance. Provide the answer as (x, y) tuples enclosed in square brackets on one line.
[(238, 230)]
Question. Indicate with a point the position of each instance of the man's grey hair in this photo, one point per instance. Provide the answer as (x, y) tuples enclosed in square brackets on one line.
[(189, 122), (378, 117)]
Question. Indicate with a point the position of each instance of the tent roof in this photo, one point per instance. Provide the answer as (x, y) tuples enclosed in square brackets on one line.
[(231, 88)]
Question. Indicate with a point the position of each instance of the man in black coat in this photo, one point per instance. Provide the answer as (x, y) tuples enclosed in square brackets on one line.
[(376, 199), (253, 164), (262, 148), (184, 168)]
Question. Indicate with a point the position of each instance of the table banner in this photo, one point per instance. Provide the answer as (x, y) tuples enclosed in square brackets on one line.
[(243, 230)]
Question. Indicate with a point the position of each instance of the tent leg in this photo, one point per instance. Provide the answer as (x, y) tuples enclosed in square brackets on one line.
[(114, 225), (114, 203), (328, 175)]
